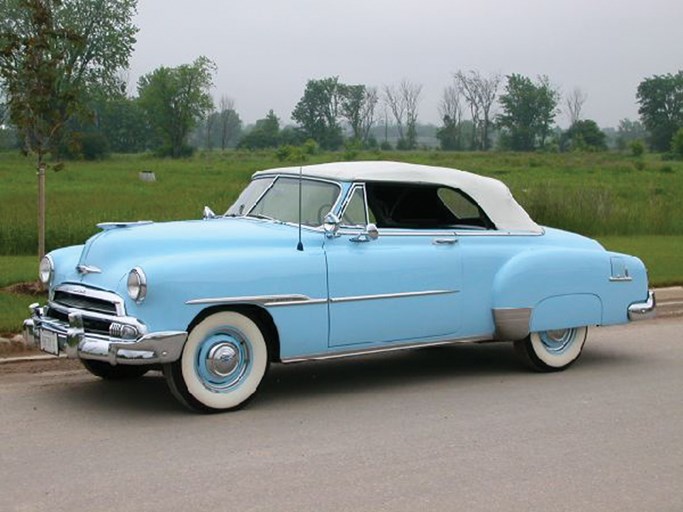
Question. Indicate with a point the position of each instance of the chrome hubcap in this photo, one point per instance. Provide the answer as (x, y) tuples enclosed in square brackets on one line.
[(222, 359), (557, 341)]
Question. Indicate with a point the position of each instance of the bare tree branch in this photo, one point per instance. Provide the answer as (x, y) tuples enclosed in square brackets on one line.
[(403, 103), (481, 93), (574, 102)]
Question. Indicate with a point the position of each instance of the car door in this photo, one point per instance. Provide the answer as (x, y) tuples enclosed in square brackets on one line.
[(401, 287)]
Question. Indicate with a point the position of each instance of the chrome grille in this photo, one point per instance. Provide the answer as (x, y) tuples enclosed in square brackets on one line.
[(96, 325), (87, 303)]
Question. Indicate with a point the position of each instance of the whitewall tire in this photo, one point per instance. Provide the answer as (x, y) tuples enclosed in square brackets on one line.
[(223, 362), (549, 351)]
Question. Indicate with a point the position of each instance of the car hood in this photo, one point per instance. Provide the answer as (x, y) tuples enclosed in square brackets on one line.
[(118, 248)]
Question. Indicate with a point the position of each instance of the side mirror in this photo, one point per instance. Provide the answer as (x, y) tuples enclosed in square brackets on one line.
[(208, 213), (370, 233), (331, 225)]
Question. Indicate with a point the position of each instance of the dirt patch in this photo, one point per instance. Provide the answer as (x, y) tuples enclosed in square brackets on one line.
[(14, 348), (34, 288), (53, 364)]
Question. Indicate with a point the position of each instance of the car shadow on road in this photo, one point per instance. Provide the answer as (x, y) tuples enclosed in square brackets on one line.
[(145, 395), (450, 365), (298, 382)]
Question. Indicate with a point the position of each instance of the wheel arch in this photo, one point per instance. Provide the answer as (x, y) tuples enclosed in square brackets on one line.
[(259, 315)]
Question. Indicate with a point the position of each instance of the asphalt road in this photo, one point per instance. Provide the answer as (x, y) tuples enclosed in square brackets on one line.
[(458, 428)]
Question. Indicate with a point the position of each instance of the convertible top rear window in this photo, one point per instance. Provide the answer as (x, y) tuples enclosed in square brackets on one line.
[(418, 206)]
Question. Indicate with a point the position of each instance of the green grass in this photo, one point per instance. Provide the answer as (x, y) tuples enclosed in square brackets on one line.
[(13, 306), (13, 311), (591, 193), (18, 269), (662, 255)]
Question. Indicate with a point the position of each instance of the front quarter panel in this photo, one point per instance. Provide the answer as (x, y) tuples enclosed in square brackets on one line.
[(175, 280)]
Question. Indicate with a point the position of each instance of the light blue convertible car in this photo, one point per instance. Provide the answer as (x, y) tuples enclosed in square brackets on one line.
[(328, 261)]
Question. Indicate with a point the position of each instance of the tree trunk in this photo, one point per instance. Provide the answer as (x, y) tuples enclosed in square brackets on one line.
[(41, 207)]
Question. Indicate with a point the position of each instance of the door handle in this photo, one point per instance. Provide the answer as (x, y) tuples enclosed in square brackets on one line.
[(445, 241)]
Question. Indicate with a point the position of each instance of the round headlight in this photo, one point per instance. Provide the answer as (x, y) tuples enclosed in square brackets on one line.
[(137, 284), (46, 269)]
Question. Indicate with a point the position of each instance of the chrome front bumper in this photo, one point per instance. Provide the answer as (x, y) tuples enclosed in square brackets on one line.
[(643, 310), (151, 348)]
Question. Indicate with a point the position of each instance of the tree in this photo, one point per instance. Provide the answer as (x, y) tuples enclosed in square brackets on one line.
[(175, 99), (123, 123), (357, 107), (480, 92), (629, 131), (574, 103), (403, 102), (52, 52), (318, 112), (529, 110), (661, 107), (229, 122), (264, 134), (450, 108), (583, 135), (677, 144)]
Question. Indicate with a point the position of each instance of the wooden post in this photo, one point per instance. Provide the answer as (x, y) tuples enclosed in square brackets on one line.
[(41, 209)]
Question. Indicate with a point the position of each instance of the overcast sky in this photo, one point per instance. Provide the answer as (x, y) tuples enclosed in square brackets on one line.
[(266, 50)]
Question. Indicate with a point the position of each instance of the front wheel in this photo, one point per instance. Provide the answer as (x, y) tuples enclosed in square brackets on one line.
[(222, 364), (550, 351)]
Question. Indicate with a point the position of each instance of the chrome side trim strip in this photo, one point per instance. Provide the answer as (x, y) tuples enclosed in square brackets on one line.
[(512, 323), (297, 299), (425, 293), (264, 300), (376, 350)]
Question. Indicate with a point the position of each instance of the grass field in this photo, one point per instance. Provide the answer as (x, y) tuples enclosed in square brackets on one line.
[(631, 205), (596, 194)]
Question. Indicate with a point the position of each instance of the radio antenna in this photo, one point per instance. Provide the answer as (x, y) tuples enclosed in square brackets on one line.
[(300, 245)]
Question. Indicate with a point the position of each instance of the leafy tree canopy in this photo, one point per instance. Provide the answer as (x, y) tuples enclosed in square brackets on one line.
[(318, 112), (52, 53), (661, 107), (175, 99), (529, 110), (583, 135), (264, 134)]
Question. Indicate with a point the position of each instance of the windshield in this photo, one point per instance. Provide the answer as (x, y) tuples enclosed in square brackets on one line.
[(281, 200), (248, 197)]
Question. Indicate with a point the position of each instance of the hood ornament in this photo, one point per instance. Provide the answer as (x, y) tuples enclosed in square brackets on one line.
[(208, 213), (88, 269), (105, 226)]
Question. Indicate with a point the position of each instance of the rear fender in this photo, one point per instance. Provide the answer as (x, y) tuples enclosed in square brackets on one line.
[(549, 289)]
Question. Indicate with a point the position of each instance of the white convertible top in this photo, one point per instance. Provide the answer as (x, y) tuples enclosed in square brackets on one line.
[(492, 195)]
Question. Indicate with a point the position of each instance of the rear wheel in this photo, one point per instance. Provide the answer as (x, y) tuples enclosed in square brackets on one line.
[(223, 363), (118, 372), (549, 351)]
